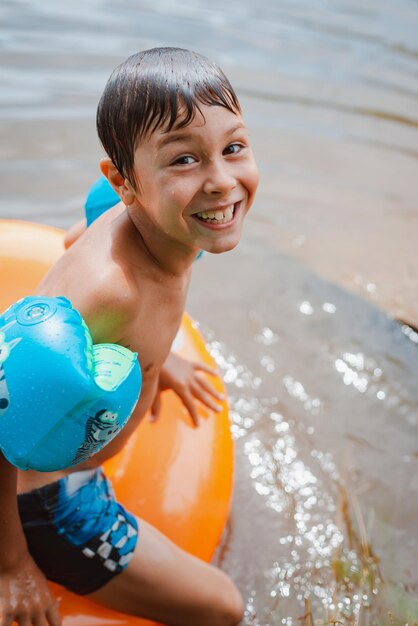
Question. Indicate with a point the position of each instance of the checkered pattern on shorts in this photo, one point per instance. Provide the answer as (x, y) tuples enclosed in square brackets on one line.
[(115, 546), (89, 517)]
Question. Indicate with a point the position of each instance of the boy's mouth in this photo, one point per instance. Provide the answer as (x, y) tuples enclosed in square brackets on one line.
[(218, 216)]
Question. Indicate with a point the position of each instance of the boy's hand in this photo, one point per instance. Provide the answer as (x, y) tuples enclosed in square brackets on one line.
[(188, 381), (25, 597)]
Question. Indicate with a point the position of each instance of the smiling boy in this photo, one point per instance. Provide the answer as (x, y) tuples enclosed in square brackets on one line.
[(179, 158)]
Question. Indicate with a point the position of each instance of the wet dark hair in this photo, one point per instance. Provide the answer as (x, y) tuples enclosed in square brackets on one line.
[(157, 88)]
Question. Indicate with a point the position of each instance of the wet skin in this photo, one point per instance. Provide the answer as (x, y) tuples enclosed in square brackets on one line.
[(133, 291)]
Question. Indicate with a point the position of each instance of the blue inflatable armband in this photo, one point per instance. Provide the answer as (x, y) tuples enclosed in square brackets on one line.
[(100, 198), (61, 397)]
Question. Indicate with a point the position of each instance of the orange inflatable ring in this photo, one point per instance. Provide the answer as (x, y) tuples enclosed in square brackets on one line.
[(176, 477)]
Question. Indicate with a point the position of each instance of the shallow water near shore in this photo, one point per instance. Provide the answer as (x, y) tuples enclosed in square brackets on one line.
[(324, 415), (322, 382)]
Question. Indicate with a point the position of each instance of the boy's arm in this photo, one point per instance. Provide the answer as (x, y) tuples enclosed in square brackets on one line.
[(24, 592), (187, 379)]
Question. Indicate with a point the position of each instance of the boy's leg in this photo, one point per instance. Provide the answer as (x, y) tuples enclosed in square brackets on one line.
[(164, 583)]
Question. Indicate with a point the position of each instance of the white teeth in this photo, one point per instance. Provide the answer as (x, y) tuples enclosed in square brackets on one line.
[(229, 213), (220, 216)]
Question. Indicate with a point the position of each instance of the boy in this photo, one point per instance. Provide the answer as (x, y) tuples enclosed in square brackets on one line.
[(179, 158)]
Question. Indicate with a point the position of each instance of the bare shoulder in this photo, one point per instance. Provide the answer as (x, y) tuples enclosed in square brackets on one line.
[(95, 275), (108, 305), (117, 288)]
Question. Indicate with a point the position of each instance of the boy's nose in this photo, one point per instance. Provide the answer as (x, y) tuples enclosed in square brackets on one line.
[(219, 180)]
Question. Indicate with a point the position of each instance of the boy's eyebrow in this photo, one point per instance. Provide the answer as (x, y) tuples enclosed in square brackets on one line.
[(175, 136), (172, 138)]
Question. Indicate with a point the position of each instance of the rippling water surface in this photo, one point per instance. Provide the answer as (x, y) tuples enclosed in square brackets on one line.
[(324, 400), (324, 416)]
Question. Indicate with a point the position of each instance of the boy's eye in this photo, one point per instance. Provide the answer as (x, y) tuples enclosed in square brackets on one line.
[(233, 148), (186, 159)]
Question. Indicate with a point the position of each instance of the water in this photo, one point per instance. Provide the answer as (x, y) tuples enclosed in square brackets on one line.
[(324, 416), (322, 385)]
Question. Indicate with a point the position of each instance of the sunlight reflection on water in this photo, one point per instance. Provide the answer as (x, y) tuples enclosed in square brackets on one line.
[(301, 563), (314, 550)]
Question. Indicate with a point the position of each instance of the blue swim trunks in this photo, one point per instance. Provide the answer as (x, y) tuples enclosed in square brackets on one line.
[(77, 533)]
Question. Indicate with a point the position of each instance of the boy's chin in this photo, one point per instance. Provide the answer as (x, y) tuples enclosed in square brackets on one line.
[(218, 247)]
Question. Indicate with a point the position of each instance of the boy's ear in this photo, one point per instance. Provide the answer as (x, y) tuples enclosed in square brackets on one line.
[(122, 187)]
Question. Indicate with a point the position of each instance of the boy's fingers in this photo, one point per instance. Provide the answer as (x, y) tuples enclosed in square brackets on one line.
[(207, 386), (54, 616), (190, 405), (206, 399), (41, 620), (6, 620), (206, 368), (155, 408)]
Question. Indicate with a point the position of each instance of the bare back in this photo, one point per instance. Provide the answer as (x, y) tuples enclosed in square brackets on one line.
[(125, 298)]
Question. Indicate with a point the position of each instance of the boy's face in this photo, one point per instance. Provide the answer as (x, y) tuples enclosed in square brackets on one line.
[(196, 184)]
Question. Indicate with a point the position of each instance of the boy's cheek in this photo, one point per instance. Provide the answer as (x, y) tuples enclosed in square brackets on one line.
[(254, 179)]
